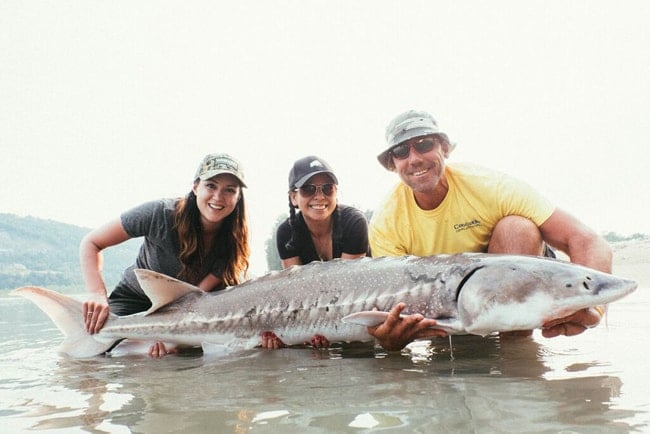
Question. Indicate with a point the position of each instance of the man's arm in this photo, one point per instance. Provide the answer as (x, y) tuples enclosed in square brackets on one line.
[(583, 246)]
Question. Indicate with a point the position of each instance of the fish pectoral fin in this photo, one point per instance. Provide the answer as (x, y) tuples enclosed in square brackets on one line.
[(161, 289), (225, 348), (451, 326), (368, 318), (372, 318)]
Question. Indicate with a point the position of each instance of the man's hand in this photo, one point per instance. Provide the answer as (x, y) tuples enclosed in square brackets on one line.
[(396, 332), (573, 324)]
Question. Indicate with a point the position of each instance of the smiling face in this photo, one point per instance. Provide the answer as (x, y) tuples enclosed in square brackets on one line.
[(421, 171), (216, 198), (319, 206), (424, 172)]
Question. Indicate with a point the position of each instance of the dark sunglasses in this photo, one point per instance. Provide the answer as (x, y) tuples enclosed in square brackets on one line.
[(403, 150), (308, 190)]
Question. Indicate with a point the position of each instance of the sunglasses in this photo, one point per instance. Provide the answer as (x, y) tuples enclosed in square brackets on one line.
[(308, 190), (403, 150)]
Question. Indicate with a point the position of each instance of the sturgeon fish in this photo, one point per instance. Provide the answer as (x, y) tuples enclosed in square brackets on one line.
[(469, 293)]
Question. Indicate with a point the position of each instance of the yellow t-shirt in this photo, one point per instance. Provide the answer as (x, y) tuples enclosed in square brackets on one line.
[(477, 199)]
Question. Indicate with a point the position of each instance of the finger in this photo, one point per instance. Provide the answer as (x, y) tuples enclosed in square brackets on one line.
[(592, 318), (394, 315), (98, 318), (157, 350), (271, 341), (274, 343), (265, 340), (565, 329), (319, 341), (102, 316), (574, 329), (323, 342), (87, 312), (411, 323), (91, 320), (565, 319), (430, 333), (551, 332)]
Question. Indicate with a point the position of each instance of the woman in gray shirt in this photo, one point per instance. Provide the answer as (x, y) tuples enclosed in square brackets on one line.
[(201, 239)]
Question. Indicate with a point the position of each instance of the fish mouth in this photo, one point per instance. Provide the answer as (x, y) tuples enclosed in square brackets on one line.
[(464, 281)]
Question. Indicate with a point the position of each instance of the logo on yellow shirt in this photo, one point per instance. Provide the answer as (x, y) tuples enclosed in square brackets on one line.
[(467, 225)]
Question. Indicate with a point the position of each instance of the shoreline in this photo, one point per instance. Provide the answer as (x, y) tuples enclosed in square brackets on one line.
[(632, 260)]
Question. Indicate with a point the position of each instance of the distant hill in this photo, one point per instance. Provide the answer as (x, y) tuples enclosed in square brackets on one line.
[(42, 252)]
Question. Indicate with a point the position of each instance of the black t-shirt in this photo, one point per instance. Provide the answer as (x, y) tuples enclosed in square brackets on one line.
[(349, 235)]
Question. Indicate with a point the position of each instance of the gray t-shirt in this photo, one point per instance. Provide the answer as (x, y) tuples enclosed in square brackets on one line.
[(159, 252)]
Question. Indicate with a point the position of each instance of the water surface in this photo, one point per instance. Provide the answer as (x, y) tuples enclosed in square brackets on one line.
[(595, 382)]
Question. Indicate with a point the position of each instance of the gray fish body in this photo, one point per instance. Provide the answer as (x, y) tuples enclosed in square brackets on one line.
[(466, 293)]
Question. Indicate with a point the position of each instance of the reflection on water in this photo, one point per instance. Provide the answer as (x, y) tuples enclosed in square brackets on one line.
[(591, 383)]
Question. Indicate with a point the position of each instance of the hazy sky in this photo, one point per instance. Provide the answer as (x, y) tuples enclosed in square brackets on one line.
[(104, 105)]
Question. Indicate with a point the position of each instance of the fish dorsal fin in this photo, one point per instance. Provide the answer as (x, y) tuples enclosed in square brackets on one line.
[(162, 289)]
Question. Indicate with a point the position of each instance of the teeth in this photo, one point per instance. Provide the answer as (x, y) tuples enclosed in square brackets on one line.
[(421, 172), (318, 206), (217, 207)]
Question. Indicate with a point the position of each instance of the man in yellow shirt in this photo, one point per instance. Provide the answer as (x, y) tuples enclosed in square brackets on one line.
[(439, 208)]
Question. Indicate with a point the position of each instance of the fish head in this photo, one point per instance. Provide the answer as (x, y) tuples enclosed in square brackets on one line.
[(511, 292)]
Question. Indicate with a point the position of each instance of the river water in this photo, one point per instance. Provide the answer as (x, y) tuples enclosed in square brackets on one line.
[(592, 383)]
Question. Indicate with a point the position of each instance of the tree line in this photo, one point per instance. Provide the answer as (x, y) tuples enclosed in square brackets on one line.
[(43, 252)]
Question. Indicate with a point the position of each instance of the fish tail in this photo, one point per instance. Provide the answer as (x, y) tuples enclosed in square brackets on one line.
[(66, 313)]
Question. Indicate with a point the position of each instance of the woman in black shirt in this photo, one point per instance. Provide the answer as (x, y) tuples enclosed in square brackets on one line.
[(322, 229)]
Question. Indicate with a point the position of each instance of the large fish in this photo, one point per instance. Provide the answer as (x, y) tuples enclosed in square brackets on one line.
[(465, 293)]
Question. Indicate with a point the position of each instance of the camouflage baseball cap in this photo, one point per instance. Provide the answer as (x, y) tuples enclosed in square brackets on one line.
[(216, 164)]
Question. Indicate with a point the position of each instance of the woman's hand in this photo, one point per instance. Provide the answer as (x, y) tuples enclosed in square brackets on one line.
[(95, 313), (159, 350), (270, 341)]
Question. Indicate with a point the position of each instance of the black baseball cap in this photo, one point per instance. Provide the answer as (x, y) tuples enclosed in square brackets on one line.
[(307, 167)]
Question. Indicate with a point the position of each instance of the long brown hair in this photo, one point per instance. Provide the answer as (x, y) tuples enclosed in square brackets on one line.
[(230, 244)]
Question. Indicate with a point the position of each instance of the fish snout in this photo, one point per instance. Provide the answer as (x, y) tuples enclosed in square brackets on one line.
[(606, 285)]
